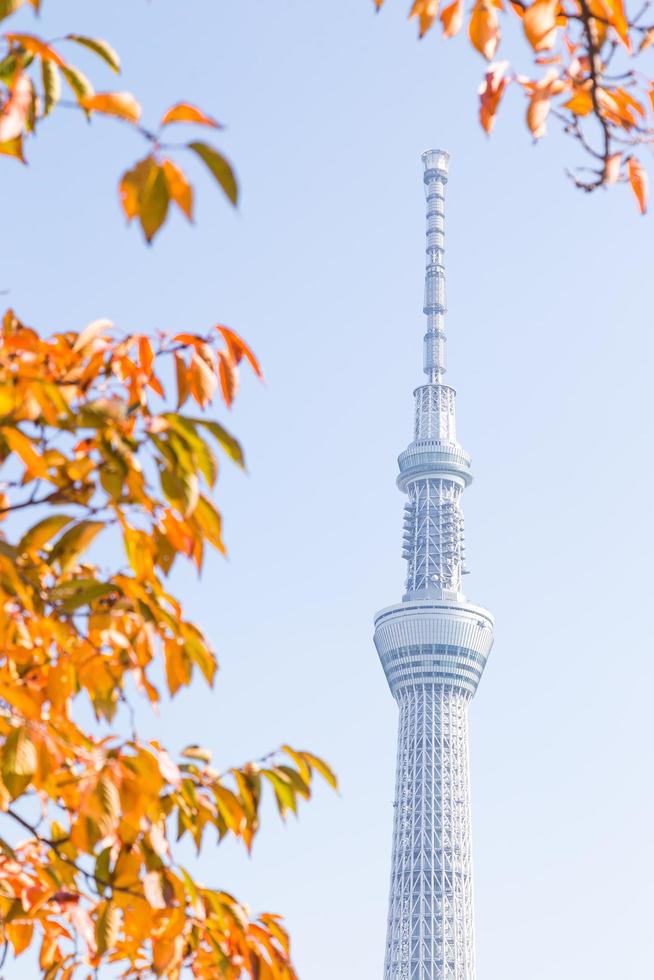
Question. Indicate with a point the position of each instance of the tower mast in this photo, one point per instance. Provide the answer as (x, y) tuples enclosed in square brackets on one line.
[(433, 647)]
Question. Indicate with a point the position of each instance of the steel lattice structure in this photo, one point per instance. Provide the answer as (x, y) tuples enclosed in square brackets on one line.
[(433, 647)]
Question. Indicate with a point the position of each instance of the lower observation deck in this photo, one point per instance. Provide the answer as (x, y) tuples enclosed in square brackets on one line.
[(433, 642)]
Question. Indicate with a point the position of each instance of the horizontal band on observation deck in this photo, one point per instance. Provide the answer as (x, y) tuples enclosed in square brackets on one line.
[(426, 456), (458, 667)]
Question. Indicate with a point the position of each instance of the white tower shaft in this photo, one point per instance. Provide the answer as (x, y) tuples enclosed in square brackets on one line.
[(433, 647)]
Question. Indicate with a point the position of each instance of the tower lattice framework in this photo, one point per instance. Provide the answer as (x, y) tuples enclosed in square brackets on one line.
[(433, 647)]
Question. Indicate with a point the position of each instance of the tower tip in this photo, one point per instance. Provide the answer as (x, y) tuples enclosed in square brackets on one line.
[(438, 160)]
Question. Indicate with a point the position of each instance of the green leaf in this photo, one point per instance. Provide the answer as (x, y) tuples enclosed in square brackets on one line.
[(80, 592), (109, 798), (19, 757), (219, 167), (197, 752), (99, 47), (154, 201), (106, 927), (284, 792), (180, 489), (39, 535), (299, 785), (102, 869), (78, 82), (51, 84), (74, 541), (9, 65), (8, 7), (201, 455), (231, 445), (19, 761)]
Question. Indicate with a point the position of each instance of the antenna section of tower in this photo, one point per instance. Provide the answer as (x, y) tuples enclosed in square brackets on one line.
[(435, 178)]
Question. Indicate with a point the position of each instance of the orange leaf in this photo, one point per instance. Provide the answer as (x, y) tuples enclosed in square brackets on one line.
[(15, 111), (490, 93), (239, 349), (37, 47), (181, 374), (539, 103), (619, 22), (426, 11), (639, 182), (452, 18), (651, 95), (121, 104), (581, 103), (179, 188), (647, 41), (540, 26), (228, 377), (185, 112), (484, 28), (202, 380), (612, 168)]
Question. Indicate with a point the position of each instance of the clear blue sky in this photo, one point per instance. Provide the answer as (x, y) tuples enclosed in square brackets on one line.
[(550, 349)]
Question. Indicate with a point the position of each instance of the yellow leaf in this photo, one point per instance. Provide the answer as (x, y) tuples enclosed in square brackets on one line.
[(74, 541), (484, 28), (540, 25), (179, 189), (39, 535), (210, 522), (144, 194), (121, 104), (90, 332), (184, 112), (639, 182), (321, 766), (35, 465), (13, 148), (19, 933), (426, 11)]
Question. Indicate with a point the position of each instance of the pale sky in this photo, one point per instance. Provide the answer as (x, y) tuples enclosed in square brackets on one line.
[(328, 109)]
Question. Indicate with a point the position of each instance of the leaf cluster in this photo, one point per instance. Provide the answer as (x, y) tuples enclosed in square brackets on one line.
[(587, 54), (88, 438), (37, 77)]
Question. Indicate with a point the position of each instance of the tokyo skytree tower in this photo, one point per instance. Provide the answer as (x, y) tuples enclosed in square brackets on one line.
[(433, 647)]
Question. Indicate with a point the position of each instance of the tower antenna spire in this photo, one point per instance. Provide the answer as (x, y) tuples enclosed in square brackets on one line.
[(436, 164)]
